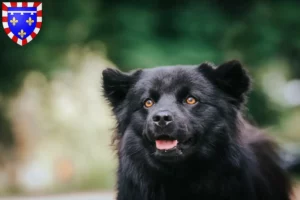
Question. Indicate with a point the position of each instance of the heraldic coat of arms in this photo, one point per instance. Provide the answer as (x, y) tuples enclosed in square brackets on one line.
[(22, 21)]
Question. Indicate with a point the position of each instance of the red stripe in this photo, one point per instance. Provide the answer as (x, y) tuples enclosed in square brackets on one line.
[(15, 39), (39, 13), (4, 19), (4, 7), (38, 24), (33, 35), (7, 30), (24, 42), (13, 4), (24, 4), (36, 4)]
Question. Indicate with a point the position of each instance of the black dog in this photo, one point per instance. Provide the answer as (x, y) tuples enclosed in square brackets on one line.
[(181, 135)]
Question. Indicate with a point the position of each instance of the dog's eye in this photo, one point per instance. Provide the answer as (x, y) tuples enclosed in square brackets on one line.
[(191, 100), (148, 103)]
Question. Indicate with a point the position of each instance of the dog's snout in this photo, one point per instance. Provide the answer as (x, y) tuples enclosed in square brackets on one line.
[(162, 118)]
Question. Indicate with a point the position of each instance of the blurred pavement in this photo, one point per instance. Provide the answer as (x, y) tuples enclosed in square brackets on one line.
[(75, 196)]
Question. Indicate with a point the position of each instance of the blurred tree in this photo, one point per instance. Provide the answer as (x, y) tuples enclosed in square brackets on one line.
[(6, 136), (65, 23), (140, 34)]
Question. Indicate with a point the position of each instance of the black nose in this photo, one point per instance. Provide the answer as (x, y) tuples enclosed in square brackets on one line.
[(162, 118)]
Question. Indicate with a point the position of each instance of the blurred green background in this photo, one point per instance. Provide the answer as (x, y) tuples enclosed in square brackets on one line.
[(55, 126)]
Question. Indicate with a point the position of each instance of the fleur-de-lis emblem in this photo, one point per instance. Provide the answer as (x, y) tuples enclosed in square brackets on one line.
[(29, 21), (14, 21), (22, 33), (22, 21)]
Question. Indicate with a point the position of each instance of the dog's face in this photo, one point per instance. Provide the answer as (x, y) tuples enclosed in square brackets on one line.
[(169, 114)]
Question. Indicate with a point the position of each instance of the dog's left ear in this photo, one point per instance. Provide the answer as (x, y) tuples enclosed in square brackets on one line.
[(230, 77), (116, 85)]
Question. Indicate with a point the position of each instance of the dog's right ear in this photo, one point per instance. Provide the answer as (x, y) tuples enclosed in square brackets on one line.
[(116, 85)]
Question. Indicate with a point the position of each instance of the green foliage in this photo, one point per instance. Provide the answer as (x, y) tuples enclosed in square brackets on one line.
[(6, 136), (145, 34)]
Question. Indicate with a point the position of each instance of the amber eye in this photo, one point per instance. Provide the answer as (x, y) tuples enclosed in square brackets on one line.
[(191, 100), (148, 103)]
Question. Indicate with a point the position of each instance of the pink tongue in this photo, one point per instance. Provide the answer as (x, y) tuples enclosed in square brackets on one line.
[(166, 144)]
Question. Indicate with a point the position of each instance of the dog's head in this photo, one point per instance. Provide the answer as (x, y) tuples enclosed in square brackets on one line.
[(168, 114)]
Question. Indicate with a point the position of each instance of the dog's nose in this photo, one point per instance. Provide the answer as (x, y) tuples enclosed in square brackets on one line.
[(162, 118)]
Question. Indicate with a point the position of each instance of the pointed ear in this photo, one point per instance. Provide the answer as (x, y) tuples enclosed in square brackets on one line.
[(230, 77), (116, 85)]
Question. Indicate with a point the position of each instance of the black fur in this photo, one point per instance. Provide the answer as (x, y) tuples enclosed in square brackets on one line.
[(219, 154)]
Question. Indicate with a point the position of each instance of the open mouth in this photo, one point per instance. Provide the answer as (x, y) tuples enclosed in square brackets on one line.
[(169, 149), (165, 142)]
